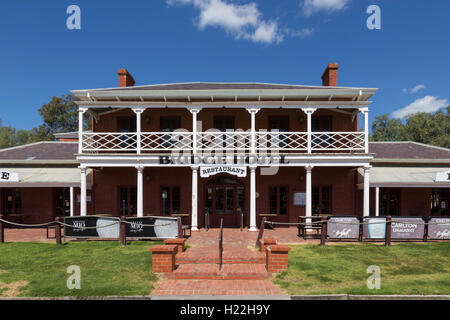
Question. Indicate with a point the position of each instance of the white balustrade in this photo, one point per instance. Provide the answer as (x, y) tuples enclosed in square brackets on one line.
[(213, 141)]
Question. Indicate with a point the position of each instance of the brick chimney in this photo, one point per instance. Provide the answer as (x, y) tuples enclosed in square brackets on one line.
[(329, 76), (125, 78)]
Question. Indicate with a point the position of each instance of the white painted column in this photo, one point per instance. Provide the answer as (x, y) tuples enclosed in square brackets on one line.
[(83, 192), (308, 212), (71, 202), (365, 112), (194, 112), (140, 191), (138, 113), (252, 199), (366, 203), (377, 201), (309, 112), (253, 112), (81, 111), (194, 216)]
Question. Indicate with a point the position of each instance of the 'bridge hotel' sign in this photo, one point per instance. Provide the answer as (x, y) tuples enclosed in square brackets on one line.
[(8, 176)]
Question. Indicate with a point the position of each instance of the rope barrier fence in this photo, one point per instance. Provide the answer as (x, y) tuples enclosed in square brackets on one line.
[(122, 222)]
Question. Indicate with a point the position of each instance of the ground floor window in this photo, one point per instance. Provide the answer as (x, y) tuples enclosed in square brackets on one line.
[(62, 198), (127, 200), (389, 202), (12, 201), (278, 199), (321, 200), (439, 202), (170, 197)]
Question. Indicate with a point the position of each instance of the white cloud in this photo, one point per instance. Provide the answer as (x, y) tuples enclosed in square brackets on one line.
[(243, 21), (312, 6), (426, 104), (305, 32), (415, 89)]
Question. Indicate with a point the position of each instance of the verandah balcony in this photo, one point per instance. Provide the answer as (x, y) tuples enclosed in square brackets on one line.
[(230, 141)]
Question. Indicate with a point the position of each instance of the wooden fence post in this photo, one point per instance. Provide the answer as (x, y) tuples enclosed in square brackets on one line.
[(180, 228), (388, 230), (2, 230), (261, 232), (323, 232), (57, 231), (123, 237)]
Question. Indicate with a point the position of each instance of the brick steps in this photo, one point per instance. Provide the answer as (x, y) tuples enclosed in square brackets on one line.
[(211, 272), (185, 259), (217, 287)]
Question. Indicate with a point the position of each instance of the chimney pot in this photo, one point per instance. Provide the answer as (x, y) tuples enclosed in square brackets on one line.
[(329, 76), (125, 78)]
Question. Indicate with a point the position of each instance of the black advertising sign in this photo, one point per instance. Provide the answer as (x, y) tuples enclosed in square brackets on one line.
[(374, 228), (92, 227), (343, 228), (439, 228), (151, 227), (407, 228)]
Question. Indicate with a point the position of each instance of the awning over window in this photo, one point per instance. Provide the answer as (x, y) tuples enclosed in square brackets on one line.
[(43, 177), (407, 177)]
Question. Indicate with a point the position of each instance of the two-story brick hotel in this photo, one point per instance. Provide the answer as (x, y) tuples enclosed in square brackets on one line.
[(241, 151)]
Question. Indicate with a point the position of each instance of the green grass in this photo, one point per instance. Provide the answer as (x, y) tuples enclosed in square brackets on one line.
[(107, 268), (408, 268)]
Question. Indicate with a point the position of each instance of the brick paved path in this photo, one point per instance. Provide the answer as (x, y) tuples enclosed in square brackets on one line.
[(243, 271)]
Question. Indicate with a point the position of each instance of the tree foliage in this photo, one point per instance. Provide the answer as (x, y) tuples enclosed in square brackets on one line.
[(429, 128), (60, 114)]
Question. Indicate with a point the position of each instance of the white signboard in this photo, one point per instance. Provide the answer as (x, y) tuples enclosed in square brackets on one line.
[(8, 176), (443, 176), (206, 172)]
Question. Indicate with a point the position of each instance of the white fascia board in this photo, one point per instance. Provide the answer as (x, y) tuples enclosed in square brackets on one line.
[(410, 185)]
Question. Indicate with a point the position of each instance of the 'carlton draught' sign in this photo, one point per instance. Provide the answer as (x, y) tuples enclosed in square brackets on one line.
[(407, 228)]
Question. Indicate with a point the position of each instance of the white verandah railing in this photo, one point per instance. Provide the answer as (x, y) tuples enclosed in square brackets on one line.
[(237, 141)]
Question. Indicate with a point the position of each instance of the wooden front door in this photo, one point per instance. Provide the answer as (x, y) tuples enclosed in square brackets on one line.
[(225, 199)]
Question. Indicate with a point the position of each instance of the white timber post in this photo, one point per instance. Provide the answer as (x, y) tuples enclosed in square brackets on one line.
[(83, 192), (252, 199), (365, 112), (309, 112), (366, 203), (308, 212), (81, 111), (140, 191), (377, 201), (71, 202), (194, 216), (194, 112), (253, 112), (138, 113)]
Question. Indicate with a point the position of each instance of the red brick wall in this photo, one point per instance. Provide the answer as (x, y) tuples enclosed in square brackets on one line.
[(297, 119)]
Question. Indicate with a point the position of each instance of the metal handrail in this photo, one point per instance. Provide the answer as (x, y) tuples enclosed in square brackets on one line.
[(221, 244)]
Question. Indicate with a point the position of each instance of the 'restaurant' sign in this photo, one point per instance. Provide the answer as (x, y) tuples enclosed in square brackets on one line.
[(206, 172), (92, 227), (8, 176), (343, 228), (151, 227), (439, 228), (407, 228)]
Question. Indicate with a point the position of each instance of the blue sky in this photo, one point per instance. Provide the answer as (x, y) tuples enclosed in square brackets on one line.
[(163, 41)]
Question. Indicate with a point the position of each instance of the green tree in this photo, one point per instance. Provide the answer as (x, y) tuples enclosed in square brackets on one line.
[(421, 127)]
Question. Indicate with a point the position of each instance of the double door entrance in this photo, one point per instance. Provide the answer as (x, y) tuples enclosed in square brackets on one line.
[(225, 198)]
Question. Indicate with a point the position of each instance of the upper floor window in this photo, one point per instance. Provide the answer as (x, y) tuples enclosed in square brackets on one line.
[(224, 123), (126, 124), (170, 124), (321, 124)]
